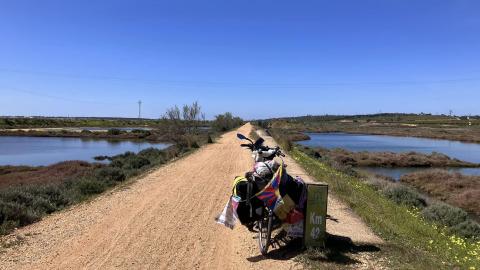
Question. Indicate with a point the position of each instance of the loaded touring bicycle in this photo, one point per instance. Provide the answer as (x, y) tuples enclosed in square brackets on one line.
[(267, 200)]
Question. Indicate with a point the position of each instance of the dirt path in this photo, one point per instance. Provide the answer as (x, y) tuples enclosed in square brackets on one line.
[(163, 221)]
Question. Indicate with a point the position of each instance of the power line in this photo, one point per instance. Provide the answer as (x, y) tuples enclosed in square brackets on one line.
[(33, 93), (195, 83)]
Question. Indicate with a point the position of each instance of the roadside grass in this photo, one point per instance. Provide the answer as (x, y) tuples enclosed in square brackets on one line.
[(411, 241)]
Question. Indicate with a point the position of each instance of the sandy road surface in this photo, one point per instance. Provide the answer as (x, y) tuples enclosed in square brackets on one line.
[(165, 220)]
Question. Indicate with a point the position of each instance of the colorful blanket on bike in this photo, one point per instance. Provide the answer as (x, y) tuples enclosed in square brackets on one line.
[(283, 206)]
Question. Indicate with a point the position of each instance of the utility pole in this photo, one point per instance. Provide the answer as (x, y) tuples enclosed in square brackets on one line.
[(139, 109)]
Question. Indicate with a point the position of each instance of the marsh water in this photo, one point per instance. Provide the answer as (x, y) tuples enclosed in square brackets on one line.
[(379, 143), (36, 151)]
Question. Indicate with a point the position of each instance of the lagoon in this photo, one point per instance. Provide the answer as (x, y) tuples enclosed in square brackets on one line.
[(41, 151), (380, 143)]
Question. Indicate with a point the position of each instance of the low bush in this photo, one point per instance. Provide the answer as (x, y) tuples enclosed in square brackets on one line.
[(100, 158), (13, 214), (456, 189), (467, 229), (90, 186), (188, 141), (141, 133), (23, 205), (154, 155), (114, 131), (404, 195), (110, 174), (194, 145), (226, 122), (445, 214), (377, 183), (456, 219), (136, 162)]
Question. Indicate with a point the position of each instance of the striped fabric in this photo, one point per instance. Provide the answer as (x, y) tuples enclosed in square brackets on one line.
[(271, 193)]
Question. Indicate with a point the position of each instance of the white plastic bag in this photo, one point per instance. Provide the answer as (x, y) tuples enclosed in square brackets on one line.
[(228, 217)]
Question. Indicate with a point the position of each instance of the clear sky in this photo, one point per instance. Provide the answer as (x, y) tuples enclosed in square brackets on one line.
[(258, 59)]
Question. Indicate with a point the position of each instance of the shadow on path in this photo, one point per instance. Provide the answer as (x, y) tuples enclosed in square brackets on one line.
[(339, 250)]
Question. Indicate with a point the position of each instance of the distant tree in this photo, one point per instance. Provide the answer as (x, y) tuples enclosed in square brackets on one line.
[(184, 121), (173, 114), (225, 122), (9, 122)]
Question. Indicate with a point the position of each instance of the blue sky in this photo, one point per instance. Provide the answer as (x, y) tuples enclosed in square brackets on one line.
[(255, 58)]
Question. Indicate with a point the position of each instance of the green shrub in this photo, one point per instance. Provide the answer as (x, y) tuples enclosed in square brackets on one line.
[(194, 145), (376, 183), (154, 155), (100, 158), (88, 186), (117, 163), (124, 155), (225, 122), (17, 195), (151, 152), (55, 194), (17, 214), (445, 214), (174, 151), (85, 131), (42, 199), (42, 205), (403, 195), (132, 173), (120, 160), (136, 162), (141, 133), (110, 174), (467, 229), (114, 131)]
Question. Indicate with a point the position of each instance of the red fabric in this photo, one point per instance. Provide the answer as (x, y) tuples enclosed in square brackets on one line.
[(294, 217)]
